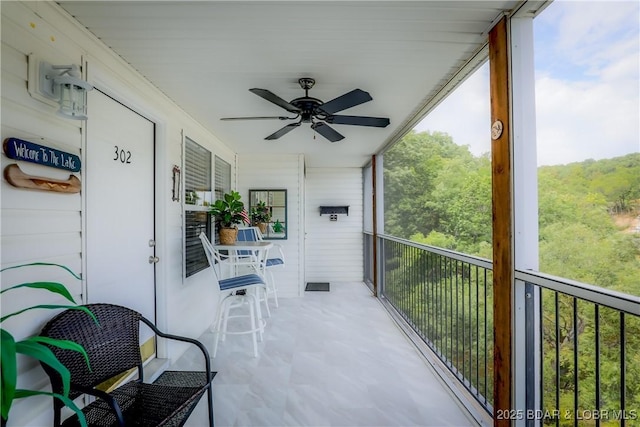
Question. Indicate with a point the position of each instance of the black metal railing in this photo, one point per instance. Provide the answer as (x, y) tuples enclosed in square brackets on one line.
[(589, 342), (446, 298), (582, 351)]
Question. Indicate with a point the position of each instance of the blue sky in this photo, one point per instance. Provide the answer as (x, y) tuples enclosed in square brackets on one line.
[(587, 65)]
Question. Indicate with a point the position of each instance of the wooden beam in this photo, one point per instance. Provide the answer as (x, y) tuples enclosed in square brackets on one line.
[(502, 223)]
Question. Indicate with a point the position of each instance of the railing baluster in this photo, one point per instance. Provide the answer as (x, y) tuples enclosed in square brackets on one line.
[(449, 315), (440, 308), (463, 335), (575, 361), (623, 374), (477, 331), (457, 320), (596, 337), (486, 381), (470, 325), (542, 341), (557, 350)]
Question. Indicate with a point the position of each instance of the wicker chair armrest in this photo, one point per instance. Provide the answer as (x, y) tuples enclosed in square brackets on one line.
[(205, 353)]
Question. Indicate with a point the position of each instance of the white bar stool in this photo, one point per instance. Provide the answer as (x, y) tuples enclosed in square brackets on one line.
[(236, 292)]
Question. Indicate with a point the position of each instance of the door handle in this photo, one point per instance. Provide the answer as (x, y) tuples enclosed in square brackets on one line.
[(153, 260)]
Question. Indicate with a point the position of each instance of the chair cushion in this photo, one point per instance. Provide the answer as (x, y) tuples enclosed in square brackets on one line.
[(274, 261), (241, 281)]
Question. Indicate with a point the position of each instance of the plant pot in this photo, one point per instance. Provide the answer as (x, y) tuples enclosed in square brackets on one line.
[(228, 236), (263, 227)]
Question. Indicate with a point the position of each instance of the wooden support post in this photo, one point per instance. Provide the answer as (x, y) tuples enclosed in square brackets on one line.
[(502, 223)]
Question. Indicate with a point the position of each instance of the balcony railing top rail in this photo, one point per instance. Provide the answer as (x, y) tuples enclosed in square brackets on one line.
[(602, 296), (480, 262)]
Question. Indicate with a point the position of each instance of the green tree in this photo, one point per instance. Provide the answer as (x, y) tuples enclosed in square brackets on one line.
[(438, 194)]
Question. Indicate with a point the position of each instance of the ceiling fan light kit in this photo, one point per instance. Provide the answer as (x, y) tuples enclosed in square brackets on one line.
[(312, 110)]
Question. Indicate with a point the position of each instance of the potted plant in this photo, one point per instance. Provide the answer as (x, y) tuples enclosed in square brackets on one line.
[(278, 227), (260, 216), (36, 347), (229, 212)]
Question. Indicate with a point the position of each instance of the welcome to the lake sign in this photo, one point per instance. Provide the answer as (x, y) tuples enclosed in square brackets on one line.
[(19, 149)]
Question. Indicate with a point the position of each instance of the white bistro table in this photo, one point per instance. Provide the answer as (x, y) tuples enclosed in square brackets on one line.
[(240, 251), (245, 246)]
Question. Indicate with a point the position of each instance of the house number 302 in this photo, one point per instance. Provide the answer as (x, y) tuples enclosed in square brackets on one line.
[(122, 155)]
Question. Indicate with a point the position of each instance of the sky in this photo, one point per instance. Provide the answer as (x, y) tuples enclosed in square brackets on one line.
[(587, 71)]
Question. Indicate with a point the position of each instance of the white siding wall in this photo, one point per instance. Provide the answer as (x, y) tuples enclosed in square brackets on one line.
[(280, 172), (334, 248), (46, 226), (36, 226)]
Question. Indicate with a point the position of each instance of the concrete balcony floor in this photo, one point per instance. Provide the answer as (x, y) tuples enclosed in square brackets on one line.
[(329, 359)]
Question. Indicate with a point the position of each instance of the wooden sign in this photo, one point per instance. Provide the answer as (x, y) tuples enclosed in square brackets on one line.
[(18, 149), (17, 178)]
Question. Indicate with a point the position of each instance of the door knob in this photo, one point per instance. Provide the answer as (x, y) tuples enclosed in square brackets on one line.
[(153, 260)]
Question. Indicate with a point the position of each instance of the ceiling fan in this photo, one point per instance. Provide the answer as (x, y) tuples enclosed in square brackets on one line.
[(319, 114)]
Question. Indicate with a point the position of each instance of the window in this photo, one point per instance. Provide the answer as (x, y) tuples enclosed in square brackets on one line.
[(197, 197), (223, 178), (276, 204), (222, 182)]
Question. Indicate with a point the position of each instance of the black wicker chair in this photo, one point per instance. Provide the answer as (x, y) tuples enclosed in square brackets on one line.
[(113, 348)]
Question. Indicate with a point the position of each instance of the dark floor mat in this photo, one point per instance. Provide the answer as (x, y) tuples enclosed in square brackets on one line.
[(317, 286)]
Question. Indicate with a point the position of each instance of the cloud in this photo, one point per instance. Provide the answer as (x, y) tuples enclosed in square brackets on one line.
[(465, 114), (587, 86), (591, 109)]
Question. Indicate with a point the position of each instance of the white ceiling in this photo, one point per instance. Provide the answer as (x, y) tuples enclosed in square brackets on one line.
[(205, 55)]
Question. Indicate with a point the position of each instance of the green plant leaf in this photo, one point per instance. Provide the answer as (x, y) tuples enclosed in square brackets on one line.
[(50, 307), (45, 355), (9, 371), (36, 347), (55, 287), (68, 402), (48, 264), (64, 344)]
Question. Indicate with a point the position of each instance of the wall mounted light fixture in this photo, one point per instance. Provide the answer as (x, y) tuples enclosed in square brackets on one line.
[(61, 83)]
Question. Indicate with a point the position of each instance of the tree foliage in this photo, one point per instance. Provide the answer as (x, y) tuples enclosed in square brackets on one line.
[(438, 193)]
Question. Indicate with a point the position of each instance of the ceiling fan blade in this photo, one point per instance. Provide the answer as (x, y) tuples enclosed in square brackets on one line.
[(348, 100), (259, 118), (285, 130), (272, 97), (327, 131), (379, 122)]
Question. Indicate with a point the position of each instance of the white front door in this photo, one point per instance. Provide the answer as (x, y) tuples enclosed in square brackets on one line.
[(119, 176)]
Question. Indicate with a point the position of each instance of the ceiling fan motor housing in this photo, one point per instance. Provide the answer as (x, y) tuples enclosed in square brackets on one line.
[(308, 107)]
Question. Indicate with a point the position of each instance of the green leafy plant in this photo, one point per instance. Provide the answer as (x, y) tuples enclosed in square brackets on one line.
[(229, 210), (37, 347), (278, 227), (260, 213)]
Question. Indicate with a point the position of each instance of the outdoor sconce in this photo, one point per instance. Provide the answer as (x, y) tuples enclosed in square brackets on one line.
[(63, 84)]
